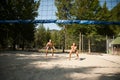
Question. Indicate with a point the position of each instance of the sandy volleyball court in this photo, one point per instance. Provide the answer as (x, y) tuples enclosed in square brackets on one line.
[(21, 65)]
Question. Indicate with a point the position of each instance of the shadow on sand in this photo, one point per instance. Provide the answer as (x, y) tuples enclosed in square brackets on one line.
[(15, 67)]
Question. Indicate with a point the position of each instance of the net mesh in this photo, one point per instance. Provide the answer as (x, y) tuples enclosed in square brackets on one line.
[(47, 9), (47, 14)]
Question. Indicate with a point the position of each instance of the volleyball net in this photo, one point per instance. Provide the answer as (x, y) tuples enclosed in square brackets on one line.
[(47, 14)]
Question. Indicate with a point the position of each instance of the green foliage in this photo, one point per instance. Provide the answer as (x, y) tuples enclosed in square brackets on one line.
[(56, 37), (109, 15), (78, 9), (90, 10), (115, 16), (87, 10), (41, 36), (63, 9), (17, 34)]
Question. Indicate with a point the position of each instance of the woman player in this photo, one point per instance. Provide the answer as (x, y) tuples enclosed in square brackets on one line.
[(73, 50)]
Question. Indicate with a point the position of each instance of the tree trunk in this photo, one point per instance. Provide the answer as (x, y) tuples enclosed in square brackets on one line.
[(14, 43), (23, 45)]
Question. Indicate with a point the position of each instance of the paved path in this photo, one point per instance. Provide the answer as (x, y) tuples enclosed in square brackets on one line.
[(35, 66)]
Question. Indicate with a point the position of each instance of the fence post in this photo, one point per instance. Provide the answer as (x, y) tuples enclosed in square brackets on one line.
[(106, 44), (80, 42)]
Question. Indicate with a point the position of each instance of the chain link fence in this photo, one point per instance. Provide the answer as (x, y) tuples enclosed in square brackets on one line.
[(95, 44)]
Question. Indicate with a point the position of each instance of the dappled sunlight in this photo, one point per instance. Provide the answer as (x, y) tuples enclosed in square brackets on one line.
[(83, 76), (37, 66)]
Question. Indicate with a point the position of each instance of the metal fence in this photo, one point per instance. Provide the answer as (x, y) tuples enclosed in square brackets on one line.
[(94, 44)]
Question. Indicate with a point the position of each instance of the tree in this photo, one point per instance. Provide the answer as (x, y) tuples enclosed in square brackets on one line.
[(86, 10), (48, 34), (115, 16), (56, 37), (40, 36), (63, 12), (104, 15), (13, 10), (63, 7)]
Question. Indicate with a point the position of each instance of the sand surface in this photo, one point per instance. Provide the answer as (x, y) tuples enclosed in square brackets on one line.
[(21, 65)]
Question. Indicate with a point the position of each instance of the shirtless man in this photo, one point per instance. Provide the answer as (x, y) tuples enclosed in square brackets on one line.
[(73, 50), (50, 45)]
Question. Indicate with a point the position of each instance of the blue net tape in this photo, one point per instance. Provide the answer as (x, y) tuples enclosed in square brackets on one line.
[(61, 22)]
